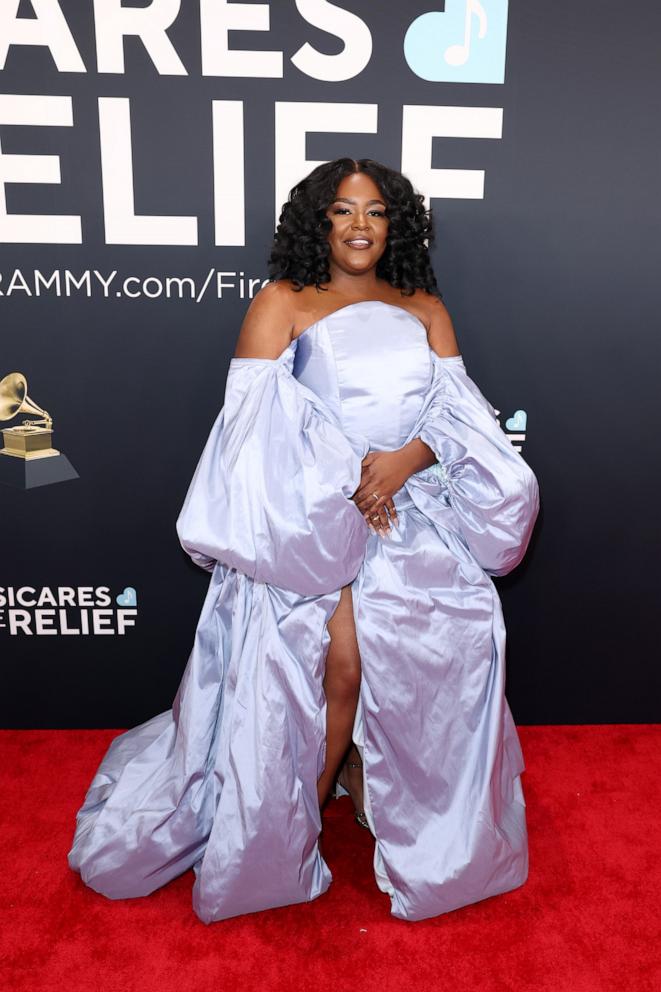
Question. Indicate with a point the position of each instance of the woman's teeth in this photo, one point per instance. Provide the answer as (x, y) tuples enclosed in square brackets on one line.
[(359, 243)]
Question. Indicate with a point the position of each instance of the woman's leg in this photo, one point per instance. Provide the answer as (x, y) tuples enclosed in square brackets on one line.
[(351, 778), (341, 685)]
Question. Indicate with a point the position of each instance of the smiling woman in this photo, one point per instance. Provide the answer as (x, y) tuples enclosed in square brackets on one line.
[(353, 498), (344, 202)]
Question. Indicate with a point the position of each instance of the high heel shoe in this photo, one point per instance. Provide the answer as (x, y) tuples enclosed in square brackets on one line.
[(358, 814)]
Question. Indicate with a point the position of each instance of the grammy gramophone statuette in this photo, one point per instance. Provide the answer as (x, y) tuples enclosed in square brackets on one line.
[(30, 460)]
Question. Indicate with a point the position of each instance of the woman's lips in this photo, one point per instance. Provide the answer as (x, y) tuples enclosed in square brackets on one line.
[(360, 244)]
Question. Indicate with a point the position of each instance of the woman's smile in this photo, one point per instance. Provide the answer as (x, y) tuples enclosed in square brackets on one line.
[(359, 243)]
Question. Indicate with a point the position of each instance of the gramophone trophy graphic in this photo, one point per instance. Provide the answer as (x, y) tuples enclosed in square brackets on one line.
[(29, 457)]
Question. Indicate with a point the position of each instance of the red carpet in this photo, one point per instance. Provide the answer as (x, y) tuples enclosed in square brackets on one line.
[(587, 920)]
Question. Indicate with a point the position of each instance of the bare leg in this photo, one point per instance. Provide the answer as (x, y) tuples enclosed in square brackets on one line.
[(341, 685)]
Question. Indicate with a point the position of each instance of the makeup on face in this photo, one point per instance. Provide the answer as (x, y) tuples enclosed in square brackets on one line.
[(359, 218)]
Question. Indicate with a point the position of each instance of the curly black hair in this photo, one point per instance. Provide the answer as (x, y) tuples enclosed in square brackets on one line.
[(301, 251)]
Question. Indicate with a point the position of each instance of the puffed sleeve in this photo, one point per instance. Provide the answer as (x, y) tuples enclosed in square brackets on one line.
[(270, 494), (491, 491)]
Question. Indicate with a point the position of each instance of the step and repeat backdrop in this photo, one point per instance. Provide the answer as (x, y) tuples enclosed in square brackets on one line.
[(145, 151)]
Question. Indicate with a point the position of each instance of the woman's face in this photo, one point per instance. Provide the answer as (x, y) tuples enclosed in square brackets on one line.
[(358, 236)]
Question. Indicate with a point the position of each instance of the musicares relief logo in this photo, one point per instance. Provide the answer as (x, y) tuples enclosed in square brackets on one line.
[(67, 611), (515, 427), (463, 43)]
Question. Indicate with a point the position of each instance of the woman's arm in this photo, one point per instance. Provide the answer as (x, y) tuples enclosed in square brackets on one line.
[(442, 339), (440, 330), (271, 493), (268, 325)]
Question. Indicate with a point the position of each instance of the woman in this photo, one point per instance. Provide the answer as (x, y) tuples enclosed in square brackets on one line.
[(352, 501)]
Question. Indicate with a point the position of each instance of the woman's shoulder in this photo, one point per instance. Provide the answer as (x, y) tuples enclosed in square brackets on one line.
[(301, 306), (433, 313), (276, 296), (268, 325), (283, 299)]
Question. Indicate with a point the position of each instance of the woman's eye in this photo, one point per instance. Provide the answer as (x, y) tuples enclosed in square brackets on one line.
[(345, 210)]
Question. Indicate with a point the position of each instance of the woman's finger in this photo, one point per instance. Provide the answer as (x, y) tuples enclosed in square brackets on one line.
[(393, 512), (378, 519)]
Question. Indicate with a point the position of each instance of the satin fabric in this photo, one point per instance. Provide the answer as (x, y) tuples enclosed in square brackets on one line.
[(225, 781)]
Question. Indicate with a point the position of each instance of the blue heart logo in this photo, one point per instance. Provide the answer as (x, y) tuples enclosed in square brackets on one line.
[(465, 43), (128, 598), (518, 421)]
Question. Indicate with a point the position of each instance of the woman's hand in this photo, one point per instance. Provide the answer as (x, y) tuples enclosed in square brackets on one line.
[(384, 473)]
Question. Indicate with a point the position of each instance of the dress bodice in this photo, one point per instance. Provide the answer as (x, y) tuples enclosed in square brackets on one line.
[(370, 362)]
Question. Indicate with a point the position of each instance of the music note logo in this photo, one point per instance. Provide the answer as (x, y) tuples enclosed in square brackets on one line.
[(466, 43), (458, 54)]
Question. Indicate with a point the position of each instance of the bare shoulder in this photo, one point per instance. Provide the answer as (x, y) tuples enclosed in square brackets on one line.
[(440, 329), (268, 325)]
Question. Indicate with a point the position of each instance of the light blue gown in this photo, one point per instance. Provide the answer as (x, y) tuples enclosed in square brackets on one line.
[(225, 781)]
